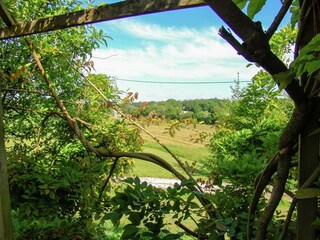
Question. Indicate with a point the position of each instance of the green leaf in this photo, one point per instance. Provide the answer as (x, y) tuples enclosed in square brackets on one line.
[(308, 193), (254, 7), (240, 3), (115, 217), (308, 60), (52, 195), (315, 132), (295, 10), (283, 79), (172, 236), (312, 67), (129, 231), (313, 45), (136, 217), (28, 211)]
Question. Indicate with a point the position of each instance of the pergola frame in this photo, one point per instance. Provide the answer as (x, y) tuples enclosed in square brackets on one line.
[(92, 15), (256, 49)]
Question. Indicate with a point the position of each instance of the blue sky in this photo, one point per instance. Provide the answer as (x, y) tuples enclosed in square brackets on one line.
[(175, 46)]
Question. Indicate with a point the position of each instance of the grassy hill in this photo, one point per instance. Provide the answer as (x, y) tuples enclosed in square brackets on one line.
[(181, 145)]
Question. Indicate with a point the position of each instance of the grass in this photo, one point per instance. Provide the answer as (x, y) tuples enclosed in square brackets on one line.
[(181, 145)]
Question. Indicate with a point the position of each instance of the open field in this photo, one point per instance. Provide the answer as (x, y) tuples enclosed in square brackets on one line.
[(181, 145)]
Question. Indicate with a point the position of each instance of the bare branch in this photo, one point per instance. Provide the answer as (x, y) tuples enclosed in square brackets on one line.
[(256, 42), (106, 153), (313, 177), (50, 114), (27, 91), (187, 230), (278, 190), (278, 19), (109, 176), (226, 35)]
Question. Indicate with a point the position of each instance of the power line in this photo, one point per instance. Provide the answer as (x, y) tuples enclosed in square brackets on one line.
[(106, 57), (174, 82)]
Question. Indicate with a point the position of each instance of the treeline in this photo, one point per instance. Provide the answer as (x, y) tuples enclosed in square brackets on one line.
[(202, 110)]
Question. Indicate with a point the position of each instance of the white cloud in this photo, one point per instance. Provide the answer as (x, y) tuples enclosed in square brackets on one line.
[(171, 54)]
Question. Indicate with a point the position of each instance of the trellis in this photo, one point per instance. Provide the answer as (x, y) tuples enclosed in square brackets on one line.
[(256, 49)]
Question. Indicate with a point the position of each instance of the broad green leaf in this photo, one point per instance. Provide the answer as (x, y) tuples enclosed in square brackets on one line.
[(240, 3), (172, 236), (315, 132), (129, 231), (313, 66), (313, 45), (254, 7), (308, 193), (283, 79), (295, 13), (28, 211), (52, 195), (308, 60), (136, 217)]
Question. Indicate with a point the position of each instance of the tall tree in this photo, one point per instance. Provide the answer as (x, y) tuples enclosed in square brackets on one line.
[(309, 27), (299, 81)]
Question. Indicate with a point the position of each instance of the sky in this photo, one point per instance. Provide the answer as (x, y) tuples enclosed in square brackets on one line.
[(181, 46)]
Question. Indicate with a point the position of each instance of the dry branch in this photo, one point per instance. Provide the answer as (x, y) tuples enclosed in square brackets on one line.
[(313, 177)]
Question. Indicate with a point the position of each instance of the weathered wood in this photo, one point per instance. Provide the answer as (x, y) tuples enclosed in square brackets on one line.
[(103, 13), (5, 206), (5, 15), (309, 22), (308, 162)]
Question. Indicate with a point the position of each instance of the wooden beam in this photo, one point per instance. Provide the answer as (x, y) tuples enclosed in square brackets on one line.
[(102, 13), (5, 15), (6, 229)]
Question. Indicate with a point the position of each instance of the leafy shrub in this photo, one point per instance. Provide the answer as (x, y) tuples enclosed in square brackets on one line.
[(146, 208)]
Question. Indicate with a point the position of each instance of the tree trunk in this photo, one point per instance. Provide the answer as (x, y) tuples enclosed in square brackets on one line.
[(309, 26), (308, 161), (5, 206)]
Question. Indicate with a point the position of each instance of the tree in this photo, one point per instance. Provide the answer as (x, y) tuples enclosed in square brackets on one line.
[(52, 176), (257, 49)]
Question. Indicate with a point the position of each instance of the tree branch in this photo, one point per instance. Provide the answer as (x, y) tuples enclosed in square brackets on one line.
[(106, 153), (313, 177), (27, 91), (50, 114), (278, 19), (116, 108), (256, 42), (226, 35), (278, 190), (187, 230), (109, 176)]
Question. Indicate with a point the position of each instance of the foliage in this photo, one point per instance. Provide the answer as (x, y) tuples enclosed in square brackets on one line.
[(253, 8), (241, 146), (202, 110), (147, 208), (52, 176), (246, 139)]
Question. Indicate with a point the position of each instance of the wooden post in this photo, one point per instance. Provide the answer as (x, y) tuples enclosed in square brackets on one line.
[(5, 206), (308, 162), (308, 144)]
